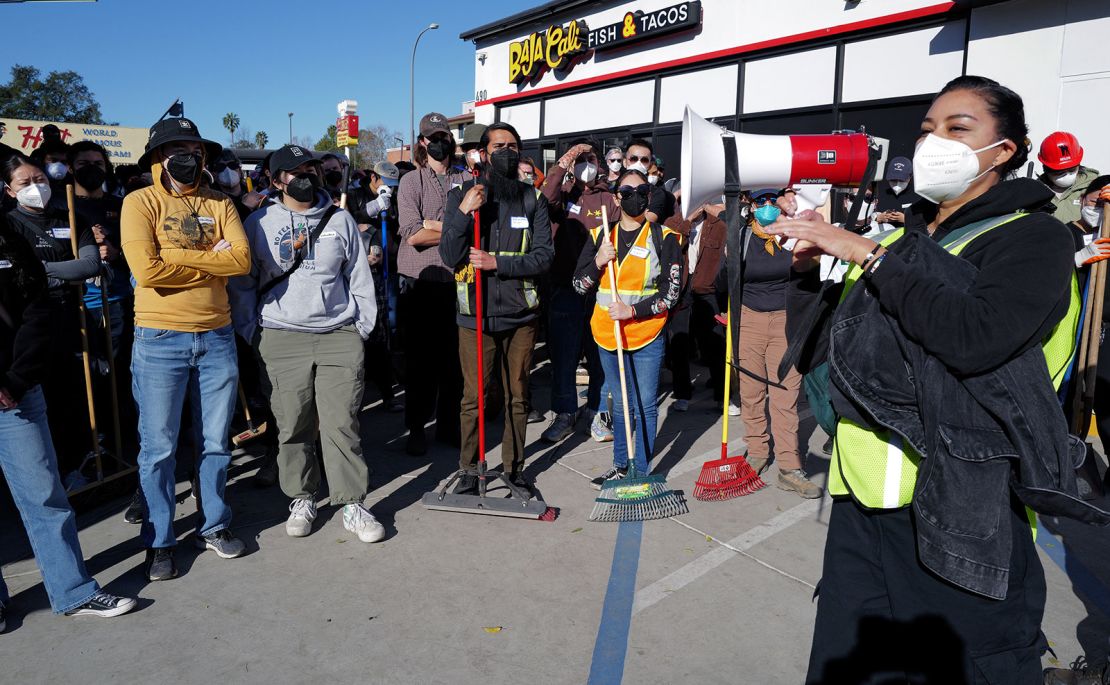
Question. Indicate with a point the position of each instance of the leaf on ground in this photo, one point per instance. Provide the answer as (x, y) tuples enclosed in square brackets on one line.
[(340, 541), (708, 539), (576, 530), (493, 629)]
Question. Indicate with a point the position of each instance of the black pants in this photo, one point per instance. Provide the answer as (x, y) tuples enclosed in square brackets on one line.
[(679, 347), (884, 618), (433, 380), (710, 337)]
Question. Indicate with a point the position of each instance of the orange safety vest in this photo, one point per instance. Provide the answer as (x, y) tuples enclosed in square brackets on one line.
[(636, 277)]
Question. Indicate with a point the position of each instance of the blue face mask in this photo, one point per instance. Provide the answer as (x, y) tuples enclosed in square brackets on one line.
[(767, 214)]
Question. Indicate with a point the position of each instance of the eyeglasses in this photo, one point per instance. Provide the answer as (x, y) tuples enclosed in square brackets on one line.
[(644, 190), (633, 159)]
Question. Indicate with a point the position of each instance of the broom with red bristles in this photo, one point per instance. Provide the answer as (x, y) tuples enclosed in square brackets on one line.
[(727, 477)]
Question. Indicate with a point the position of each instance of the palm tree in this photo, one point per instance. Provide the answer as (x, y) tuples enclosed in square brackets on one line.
[(231, 123), (260, 139)]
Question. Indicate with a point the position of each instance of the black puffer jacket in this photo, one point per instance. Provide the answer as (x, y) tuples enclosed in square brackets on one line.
[(24, 315)]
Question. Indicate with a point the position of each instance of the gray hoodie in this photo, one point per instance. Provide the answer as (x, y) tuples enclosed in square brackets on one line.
[(332, 288)]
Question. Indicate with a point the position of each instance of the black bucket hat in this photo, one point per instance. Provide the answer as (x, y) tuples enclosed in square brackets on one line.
[(172, 131)]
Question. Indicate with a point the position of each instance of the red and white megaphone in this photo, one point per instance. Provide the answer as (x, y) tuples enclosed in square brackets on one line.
[(810, 163)]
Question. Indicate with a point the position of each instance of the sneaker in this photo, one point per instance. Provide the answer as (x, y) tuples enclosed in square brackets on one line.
[(581, 376), (104, 605), (536, 416), (223, 543), (160, 564), (733, 410), (561, 428), (611, 474), (601, 428), (417, 444), (797, 481), (827, 447), (522, 484), (134, 512), (302, 512), (681, 405), (467, 485), (359, 520), (1080, 673)]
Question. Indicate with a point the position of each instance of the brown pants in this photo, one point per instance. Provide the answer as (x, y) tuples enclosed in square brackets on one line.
[(511, 352), (762, 346)]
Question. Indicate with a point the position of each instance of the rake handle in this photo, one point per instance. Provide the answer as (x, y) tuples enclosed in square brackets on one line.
[(728, 381), (83, 317), (611, 270)]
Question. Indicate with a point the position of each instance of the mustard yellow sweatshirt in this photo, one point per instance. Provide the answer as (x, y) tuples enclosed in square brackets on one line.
[(181, 284)]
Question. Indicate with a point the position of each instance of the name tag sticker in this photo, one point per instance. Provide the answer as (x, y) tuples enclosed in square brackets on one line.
[(573, 208), (60, 233), (5, 264), (456, 185), (206, 221), (328, 234), (519, 222), (641, 252)]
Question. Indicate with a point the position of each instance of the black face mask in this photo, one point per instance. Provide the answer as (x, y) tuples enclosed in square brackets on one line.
[(333, 178), (440, 149), (90, 177), (505, 162), (303, 187), (185, 169), (634, 204)]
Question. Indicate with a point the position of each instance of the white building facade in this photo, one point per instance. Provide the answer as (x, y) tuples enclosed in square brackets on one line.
[(617, 70)]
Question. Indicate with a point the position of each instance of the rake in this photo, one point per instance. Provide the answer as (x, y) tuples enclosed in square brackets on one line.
[(727, 477), (632, 498)]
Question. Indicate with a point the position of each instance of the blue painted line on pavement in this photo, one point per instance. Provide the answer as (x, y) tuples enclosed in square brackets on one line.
[(1081, 577), (611, 646)]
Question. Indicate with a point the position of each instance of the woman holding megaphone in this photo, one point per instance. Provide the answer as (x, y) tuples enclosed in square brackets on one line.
[(945, 343)]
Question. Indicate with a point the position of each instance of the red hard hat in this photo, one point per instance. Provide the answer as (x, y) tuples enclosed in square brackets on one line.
[(1060, 150)]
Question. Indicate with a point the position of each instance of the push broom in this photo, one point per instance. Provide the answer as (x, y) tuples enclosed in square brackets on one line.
[(519, 504), (634, 497), (727, 477)]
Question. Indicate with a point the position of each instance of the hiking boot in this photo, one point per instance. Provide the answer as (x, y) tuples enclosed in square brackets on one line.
[(359, 520), (103, 605), (467, 485), (612, 474), (536, 416), (561, 428), (302, 512), (160, 564), (1080, 673), (223, 543), (135, 513), (827, 447), (758, 464), (417, 444), (601, 428), (797, 481), (681, 405)]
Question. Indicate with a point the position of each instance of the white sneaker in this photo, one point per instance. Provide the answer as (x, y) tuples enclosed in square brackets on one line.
[(359, 520), (681, 405), (302, 512), (733, 410)]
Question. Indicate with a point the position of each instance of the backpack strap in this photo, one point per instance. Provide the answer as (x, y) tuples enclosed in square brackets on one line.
[(313, 236)]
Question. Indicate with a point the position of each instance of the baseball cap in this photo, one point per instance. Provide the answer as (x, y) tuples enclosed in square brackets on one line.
[(433, 122), (289, 157), (899, 169), (388, 172), (472, 135)]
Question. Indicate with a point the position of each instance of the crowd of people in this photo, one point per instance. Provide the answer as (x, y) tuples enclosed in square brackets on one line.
[(304, 287)]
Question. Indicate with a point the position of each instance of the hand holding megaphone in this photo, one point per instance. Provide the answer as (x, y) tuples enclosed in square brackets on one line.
[(818, 237)]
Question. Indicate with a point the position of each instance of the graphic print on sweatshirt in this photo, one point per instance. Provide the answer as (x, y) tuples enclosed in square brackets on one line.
[(289, 238), (189, 231)]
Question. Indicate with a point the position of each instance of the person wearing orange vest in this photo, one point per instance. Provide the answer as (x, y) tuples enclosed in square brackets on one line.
[(648, 263)]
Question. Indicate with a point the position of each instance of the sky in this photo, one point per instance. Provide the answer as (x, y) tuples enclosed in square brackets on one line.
[(260, 60)]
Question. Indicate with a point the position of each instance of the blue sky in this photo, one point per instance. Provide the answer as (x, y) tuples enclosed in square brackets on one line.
[(260, 60)]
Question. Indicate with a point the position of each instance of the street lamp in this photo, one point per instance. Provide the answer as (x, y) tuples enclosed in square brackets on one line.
[(412, 92), (290, 128), (402, 142)]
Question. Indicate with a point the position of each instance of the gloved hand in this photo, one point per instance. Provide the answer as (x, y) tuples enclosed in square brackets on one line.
[(379, 205), (383, 189), (1097, 251)]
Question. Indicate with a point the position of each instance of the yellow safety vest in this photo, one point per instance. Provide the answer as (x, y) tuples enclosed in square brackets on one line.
[(876, 467)]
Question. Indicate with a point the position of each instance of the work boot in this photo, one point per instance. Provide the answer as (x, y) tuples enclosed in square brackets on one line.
[(417, 444), (758, 464), (223, 543), (561, 428), (1080, 673), (467, 485), (160, 564), (134, 512), (797, 481)]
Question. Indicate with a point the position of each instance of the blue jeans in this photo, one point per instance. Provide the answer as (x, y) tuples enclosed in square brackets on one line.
[(165, 365), (641, 370), (566, 315), (30, 466)]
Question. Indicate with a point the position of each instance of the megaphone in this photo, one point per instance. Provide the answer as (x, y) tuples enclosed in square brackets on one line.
[(834, 159)]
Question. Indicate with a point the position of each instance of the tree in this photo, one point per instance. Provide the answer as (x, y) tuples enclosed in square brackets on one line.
[(327, 143), (260, 139), (231, 123), (61, 96), (245, 140), (372, 144)]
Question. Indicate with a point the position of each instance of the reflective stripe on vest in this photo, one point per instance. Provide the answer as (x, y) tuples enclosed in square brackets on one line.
[(876, 467), (636, 278), (464, 279)]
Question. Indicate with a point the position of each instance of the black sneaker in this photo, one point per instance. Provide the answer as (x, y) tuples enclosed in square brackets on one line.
[(135, 512), (536, 416), (467, 485), (523, 484), (417, 444), (160, 564), (611, 474), (104, 605), (223, 543), (561, 428)]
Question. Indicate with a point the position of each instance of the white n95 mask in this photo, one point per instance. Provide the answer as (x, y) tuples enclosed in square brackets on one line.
[(943, 169)]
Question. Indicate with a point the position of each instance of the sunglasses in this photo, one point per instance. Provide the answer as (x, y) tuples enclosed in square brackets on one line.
[(644, 190), (764, 200), (633, 159), (220, 166)]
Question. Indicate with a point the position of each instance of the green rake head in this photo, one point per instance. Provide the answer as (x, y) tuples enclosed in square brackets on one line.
[(637, 499)]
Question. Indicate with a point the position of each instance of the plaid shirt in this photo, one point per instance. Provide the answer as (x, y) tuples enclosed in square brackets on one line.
[(422, 196)]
